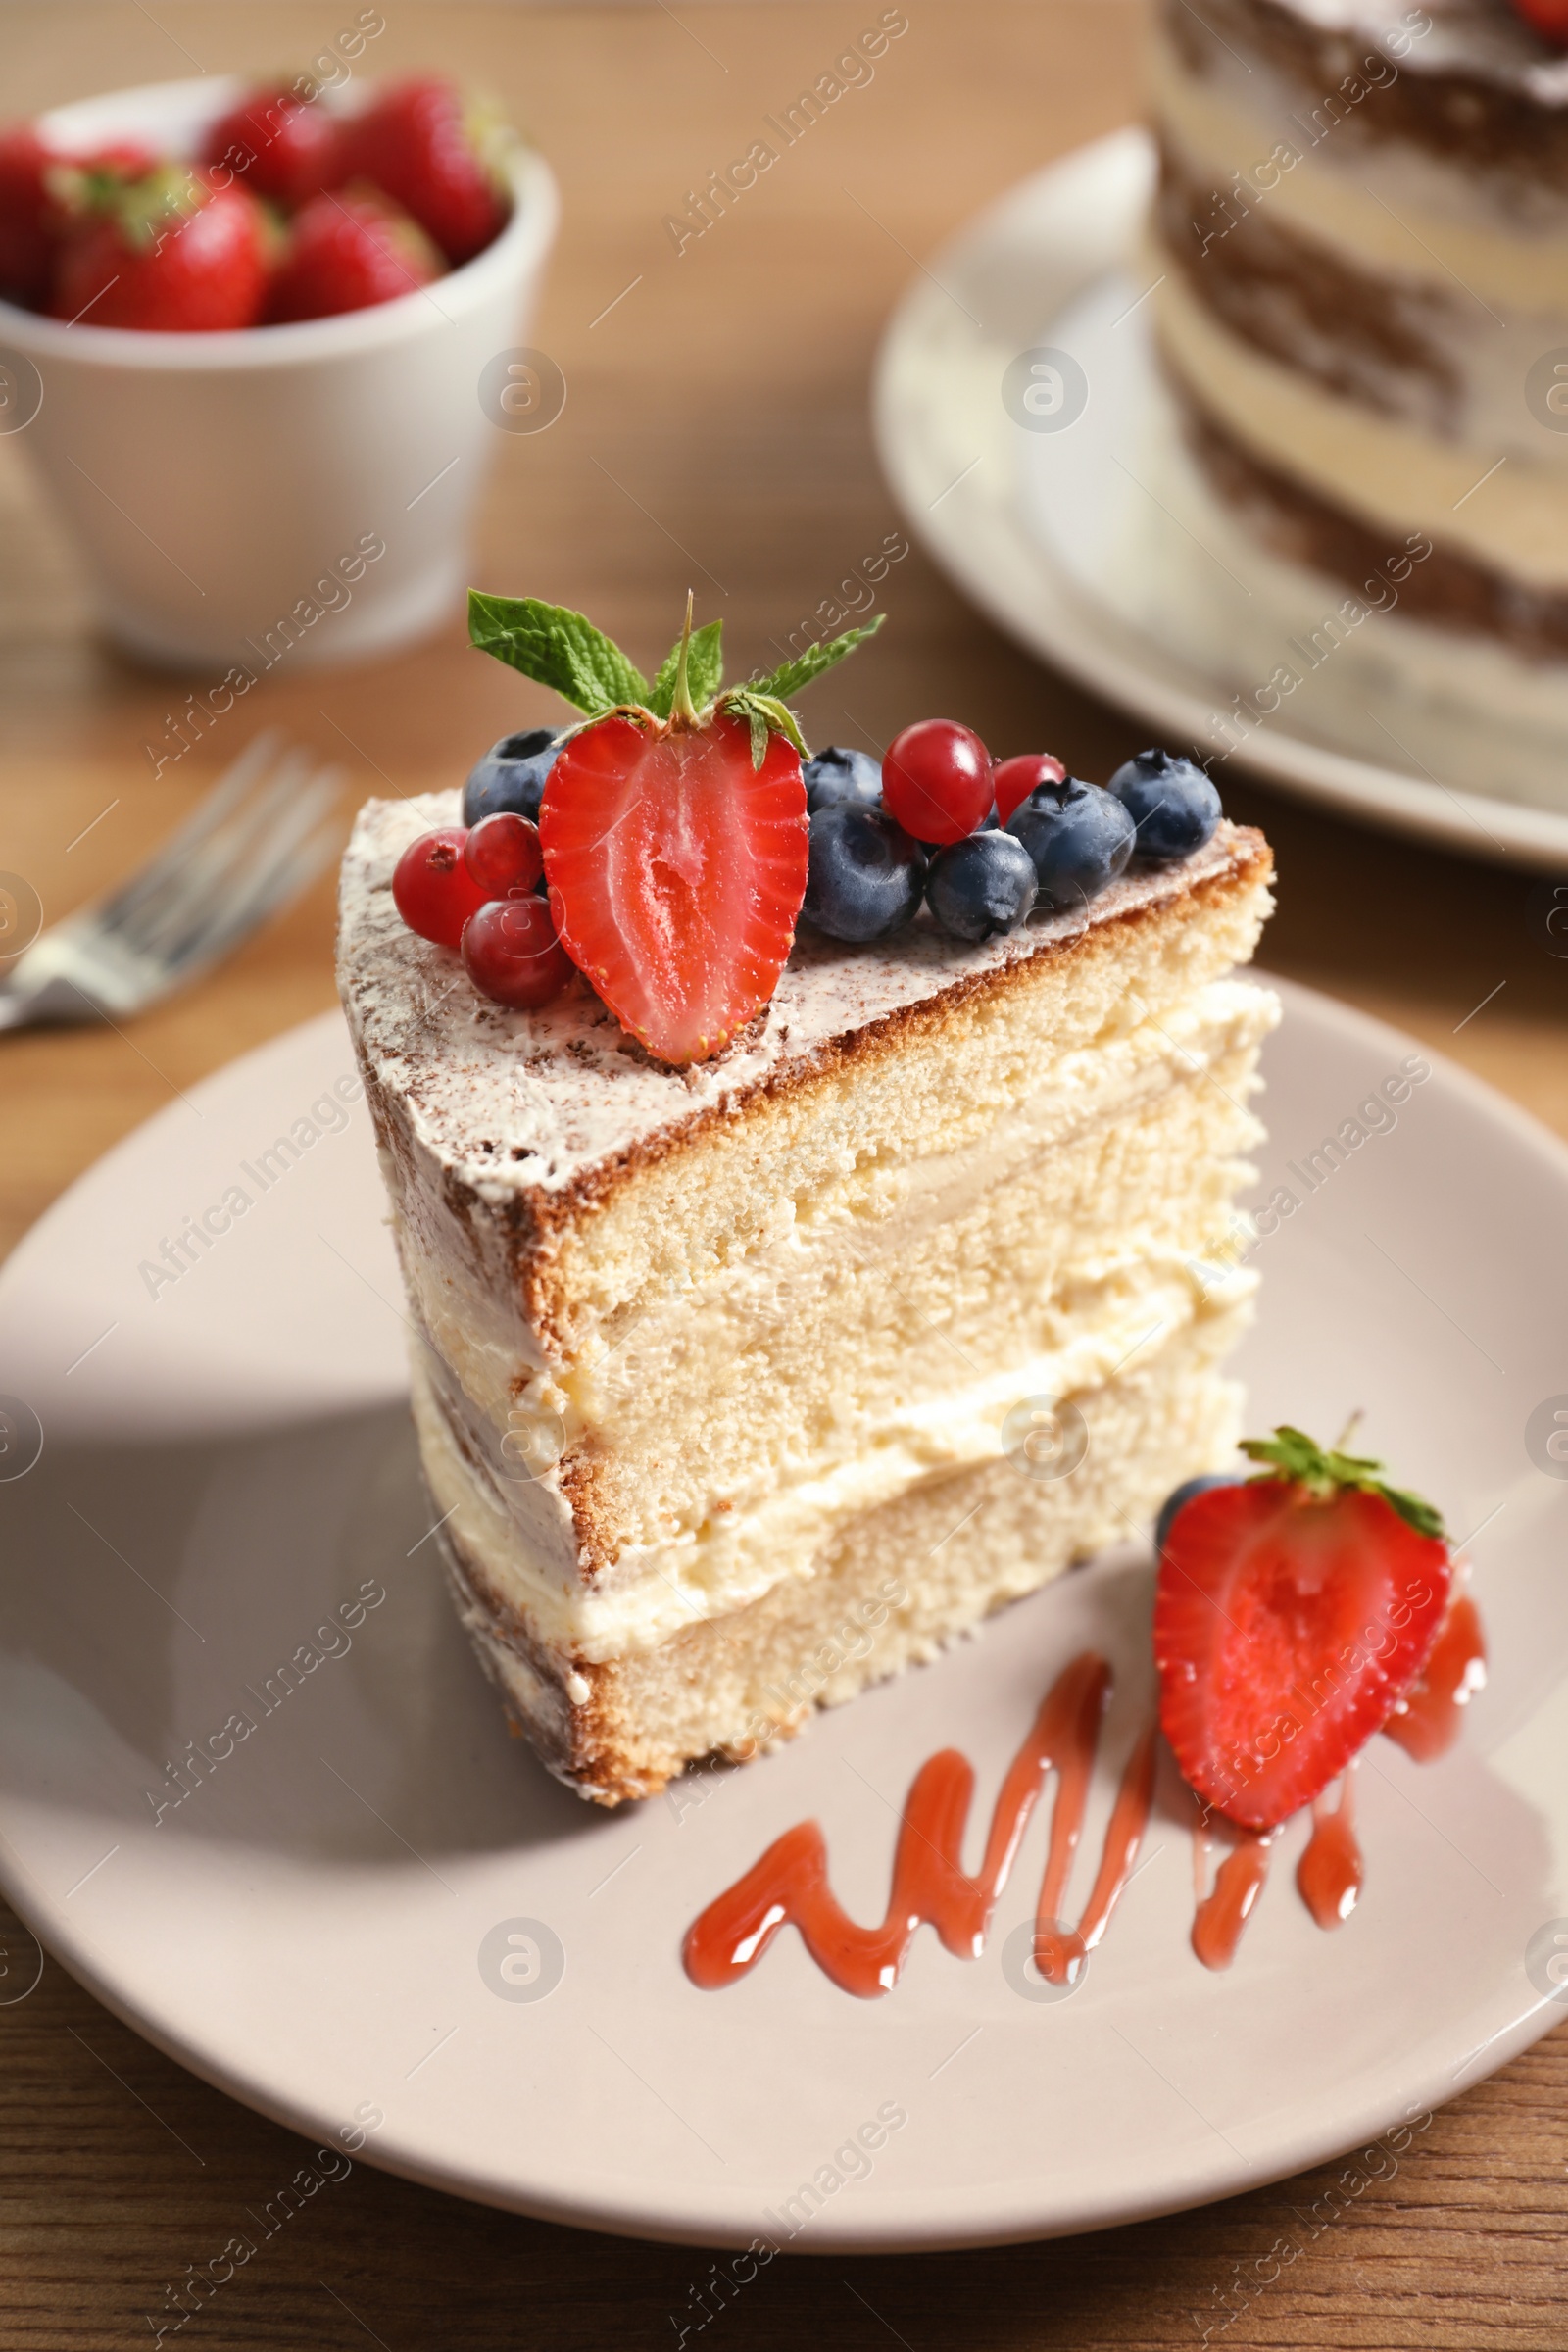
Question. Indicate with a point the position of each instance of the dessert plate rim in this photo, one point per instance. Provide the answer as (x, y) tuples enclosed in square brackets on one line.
[(976, 2214), (935, 399)]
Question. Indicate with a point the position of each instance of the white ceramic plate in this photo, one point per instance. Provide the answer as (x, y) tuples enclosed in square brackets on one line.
[(227, 1463), (1035, 527)]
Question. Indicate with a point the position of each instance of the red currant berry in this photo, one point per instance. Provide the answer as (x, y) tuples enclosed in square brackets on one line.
[(936, 780), (1015, 779), (432, 887), (511, 955), (503, 854)]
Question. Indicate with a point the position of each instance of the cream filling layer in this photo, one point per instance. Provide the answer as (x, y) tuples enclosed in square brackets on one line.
[(479, 1333), (1386, 471), (1390, 207), (655, 1590)]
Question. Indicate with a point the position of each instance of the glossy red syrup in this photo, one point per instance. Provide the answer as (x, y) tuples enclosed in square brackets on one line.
[(1225, 1910), (790, 1882), (1330, 1872), (1059, 1956), (1428, 1722), (789, 1885)]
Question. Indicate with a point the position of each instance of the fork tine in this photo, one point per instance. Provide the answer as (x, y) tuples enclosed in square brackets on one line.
[(195, 881), (284, 880), (229, 906), (254, 843), (245, 880), (205, 818), (296, 779)]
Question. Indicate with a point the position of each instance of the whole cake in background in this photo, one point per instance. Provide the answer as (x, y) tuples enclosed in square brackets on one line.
[(784, 1303), (1361, 235)]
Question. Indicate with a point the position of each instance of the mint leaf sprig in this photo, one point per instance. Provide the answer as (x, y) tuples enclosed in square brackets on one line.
[(1292, 1454), (791, 676), (564, 651), (557, 647)]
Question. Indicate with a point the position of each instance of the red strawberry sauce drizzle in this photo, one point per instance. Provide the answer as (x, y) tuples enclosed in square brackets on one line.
[(1223, 1913), (1331, 1873), (790, 1882), (1429, 1721)]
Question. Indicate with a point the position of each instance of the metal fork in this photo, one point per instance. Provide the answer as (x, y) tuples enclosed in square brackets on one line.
[(261, 836)]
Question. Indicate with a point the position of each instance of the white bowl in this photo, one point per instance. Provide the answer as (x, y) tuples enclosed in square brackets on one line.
[(227, 491)]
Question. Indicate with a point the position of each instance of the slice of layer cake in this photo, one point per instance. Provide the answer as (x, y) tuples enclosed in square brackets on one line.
[(741, 1385), (1362, 311)]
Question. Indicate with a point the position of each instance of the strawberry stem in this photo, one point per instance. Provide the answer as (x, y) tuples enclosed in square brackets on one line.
[(682, 709), (1292, 1455)]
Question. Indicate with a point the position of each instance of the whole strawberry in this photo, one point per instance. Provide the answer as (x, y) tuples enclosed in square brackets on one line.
[(27, 251), (1549, 17), (1293, 1611), (168, 252), (345, 253), (673, 825), (443, 163), (32, 212), (282, 142)]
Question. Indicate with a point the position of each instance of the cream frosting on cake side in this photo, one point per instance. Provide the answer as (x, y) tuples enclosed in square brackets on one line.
[(742, 1417), (762, 1304), (1359, 272), (1396, 478), (1467, 65), (892, 1587), (1387, 213)]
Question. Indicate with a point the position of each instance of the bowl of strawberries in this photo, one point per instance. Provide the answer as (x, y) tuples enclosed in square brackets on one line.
[(244, 334)]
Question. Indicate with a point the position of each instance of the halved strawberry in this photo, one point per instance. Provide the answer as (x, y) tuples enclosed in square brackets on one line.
[(673, 826), (1293, 1612), (677, 872)]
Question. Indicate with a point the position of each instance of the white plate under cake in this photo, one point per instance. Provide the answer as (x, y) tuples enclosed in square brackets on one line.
[(316, 1924)]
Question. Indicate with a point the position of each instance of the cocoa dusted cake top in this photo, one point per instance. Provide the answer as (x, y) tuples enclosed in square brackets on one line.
[(528, 1100), (600, 941)]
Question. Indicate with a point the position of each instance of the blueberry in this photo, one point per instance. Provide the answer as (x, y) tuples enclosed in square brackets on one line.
[(1183, 1496), (1079, 837), (981, 886), (840, 780), (989, 823), (511, 776), (1171, 801), (864, 874)]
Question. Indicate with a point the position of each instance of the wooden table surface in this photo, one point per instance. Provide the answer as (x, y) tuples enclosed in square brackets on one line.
[(714, 434)]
